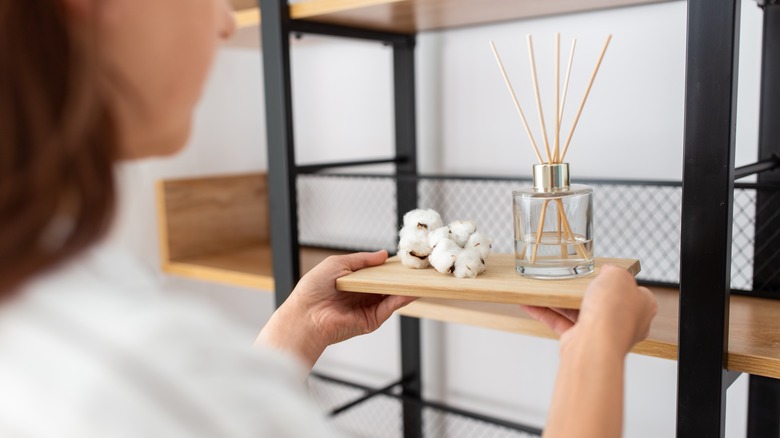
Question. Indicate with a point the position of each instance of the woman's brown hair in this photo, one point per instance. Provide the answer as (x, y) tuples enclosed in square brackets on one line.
[(57, 141)]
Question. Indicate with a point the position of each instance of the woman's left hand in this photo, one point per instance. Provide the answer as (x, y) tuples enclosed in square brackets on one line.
[(317, 315)]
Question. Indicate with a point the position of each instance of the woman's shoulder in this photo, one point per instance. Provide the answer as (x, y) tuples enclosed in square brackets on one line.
[(79, 344)]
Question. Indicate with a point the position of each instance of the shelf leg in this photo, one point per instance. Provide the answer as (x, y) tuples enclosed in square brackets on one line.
[(766, 277), (764, 393), (282, 196), (708, 192), (406, 191), (763, 408)]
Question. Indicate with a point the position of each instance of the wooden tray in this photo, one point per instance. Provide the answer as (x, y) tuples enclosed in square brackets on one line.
[(499, 284)]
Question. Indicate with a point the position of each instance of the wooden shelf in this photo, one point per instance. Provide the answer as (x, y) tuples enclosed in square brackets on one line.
[(499, 284), (216, 229), (247, 267), (411, 16), (754, 329)]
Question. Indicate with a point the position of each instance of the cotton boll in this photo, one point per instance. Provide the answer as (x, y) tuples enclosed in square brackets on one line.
[(482, 243), (437, 235), (461, 230), (411, 259), (413, 233), (443, 257), (413, 249), (423, 219), (469, 264)]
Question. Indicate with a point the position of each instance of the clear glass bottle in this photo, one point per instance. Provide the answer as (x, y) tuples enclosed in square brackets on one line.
[(553, 225)]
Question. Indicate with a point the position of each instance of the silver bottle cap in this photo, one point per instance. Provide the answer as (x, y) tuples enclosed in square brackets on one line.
[(551, 176)]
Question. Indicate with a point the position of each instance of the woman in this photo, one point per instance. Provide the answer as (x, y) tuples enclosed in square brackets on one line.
[(86, 352)]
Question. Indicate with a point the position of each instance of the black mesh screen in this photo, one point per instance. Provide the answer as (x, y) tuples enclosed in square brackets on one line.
[(631, 220)]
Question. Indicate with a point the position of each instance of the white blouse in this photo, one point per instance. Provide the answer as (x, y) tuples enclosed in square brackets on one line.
[(87, 353)]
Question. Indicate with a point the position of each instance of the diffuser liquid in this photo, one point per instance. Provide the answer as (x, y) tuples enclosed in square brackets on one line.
[(553, 257)]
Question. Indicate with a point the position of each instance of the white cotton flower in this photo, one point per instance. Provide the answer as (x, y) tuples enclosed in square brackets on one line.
[(437, 235), (481, 242), (413, 233), (413, 250), (411, 259), (461, 230), (423, 219), (443, 257), (469, 264)]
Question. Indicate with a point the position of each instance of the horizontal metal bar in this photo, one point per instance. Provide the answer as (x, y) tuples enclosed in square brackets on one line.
[(771, 163), (314, 168), (622, 182), (521, 178), (313, 27), (436, 405)]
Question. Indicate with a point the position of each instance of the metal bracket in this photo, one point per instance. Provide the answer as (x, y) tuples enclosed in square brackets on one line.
[(765, 165)]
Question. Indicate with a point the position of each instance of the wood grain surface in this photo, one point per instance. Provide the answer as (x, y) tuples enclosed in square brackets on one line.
[(203, 216), (754, 328), (499, 284)]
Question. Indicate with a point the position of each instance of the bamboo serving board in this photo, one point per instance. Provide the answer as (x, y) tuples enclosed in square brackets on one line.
[(499, 284)]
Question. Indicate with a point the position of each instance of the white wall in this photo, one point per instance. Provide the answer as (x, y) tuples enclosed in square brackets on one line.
[(632, 127)]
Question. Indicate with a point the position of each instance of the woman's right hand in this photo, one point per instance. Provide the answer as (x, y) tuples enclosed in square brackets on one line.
[(613, 308)]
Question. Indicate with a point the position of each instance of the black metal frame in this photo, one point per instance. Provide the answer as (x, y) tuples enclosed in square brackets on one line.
[(276, 29), (708, 183), (708, 194), (406, 199), (764, 393), (282, 196)]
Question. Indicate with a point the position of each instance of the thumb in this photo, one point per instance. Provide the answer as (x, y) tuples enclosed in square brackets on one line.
[(390, 304), (360, 260)]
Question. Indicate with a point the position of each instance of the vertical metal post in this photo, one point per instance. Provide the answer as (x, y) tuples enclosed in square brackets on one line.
[(406, 192), (708, 192), (764, 393), (763, 408), (282, 197), (765, 274)]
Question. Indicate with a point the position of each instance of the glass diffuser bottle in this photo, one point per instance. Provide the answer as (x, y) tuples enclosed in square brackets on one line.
[(553, 223)]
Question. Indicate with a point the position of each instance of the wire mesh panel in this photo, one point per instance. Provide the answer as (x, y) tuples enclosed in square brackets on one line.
[(743, 239), (642, 222), (631, 219), (382, 416), (347, 212), (766, 271)]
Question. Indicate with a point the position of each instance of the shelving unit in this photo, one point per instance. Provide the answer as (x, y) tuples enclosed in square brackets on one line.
[(715, 336)]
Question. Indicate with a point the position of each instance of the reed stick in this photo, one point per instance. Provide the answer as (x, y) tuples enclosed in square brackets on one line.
[(557, 158), (585, 97), (539, 231), (557, 97), (578, 246), (538, 97), (564, 251), (517, 103)]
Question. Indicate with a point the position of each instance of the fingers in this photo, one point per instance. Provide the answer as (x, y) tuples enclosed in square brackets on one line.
[(570, 314), (552, 319), (357, 261)]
